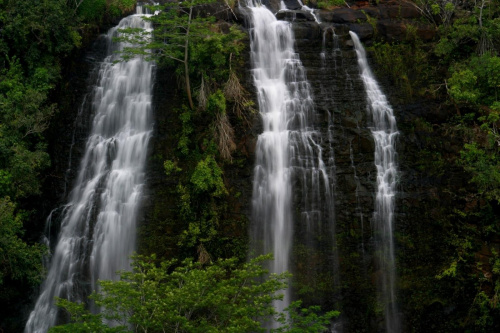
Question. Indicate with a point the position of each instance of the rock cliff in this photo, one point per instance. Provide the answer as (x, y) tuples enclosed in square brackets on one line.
[(431, 186)]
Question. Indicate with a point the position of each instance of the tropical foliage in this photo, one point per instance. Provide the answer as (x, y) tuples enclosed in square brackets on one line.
[(219, 297)]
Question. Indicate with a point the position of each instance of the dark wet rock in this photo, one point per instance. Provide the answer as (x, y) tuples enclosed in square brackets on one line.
[(402, 10), (391, 30), (342, 15), (295, 15), (371, 11), (292, 4), (307, 30), (273, 5), (242, 14), (426, 32), (363, 30)]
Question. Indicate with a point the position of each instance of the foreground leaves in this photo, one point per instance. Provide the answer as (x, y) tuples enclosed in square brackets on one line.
[(221, 297)]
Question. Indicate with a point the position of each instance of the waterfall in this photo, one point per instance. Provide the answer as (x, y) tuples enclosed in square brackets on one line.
[(303, 8), (384, 133), (289, 153), (98, 224)]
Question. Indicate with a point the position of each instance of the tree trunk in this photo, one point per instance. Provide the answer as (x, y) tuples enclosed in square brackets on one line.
[(186, 67)]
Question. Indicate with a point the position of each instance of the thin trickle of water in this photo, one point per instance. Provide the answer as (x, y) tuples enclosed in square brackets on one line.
[(385, 133), (322, 55), (331, 117), (349, 87), (331, 156), (359, 211), (303, 7), (69, 169), (336, 48), (310, 10), (289, 147), (98, 224)]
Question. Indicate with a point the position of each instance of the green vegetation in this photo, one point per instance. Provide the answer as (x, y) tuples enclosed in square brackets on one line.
[(465, 79), (328, 4), (405, 63), (459, 284), (205, 56), (19, 262), (455, 75), (218, 297), (189, 41)]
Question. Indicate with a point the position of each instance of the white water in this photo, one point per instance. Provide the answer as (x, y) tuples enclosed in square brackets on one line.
[(98, 224), (384, 132), (310, 10), (304, 8), (288, 149)]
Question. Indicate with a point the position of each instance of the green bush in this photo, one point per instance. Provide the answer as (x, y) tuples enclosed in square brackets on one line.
[(216, 103), (92, 10), (207, 177), (325, 4), (192, 298)]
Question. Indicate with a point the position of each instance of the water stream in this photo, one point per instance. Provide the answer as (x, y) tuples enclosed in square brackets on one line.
[(289, 153), (98, 224), (384, 132)]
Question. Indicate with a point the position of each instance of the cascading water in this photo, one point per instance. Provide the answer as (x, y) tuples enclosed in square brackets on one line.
[(303, 8), (98, 224), (384, 132), (289, 149)]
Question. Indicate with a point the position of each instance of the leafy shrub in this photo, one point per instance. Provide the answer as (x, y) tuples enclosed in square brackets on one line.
[(325, 4), (191, 298), (207, 177)]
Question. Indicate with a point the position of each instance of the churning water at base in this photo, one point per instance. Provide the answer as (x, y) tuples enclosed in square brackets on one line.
[(384, 132), (289, 149), (98, 225)]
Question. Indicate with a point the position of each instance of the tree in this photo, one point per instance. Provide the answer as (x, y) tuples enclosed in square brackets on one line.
[(25, 116), (442, 9), (220, 297), (19, 262), (186, 37)]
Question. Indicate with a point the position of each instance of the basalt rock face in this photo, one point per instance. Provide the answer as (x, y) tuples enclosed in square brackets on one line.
[(160, 228), (333, 267), (339, 96), (70, 127), (425, 197), (340, 101)]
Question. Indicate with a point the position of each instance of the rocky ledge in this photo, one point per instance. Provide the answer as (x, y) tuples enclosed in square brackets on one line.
[(387, 20)]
